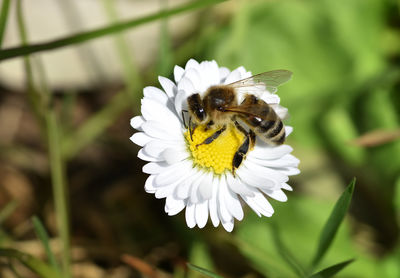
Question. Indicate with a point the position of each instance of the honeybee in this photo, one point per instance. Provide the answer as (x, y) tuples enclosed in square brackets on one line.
[(219, 107)]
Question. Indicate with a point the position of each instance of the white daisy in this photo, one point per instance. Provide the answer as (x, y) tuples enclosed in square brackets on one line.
[(199, 178)]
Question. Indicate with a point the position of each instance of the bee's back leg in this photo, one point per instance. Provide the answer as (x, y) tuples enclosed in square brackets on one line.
[(240, 154), (247, 144), (247, 133)]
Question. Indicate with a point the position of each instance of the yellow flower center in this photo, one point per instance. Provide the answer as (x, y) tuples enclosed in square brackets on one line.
[(218, 155)]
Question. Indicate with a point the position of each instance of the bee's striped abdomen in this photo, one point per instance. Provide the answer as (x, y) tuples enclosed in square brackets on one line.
[(277, 133)]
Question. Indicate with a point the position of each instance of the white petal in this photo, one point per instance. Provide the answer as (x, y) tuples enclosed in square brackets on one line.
[(187, 85), (155, 94), (209, 73), (285, 161), (233, 205), (213, 206), (194, 77), (259, 204), (288, 130), (174, 155), (157, 146), (263, 205), (161, 131), (194, 196), (237, 186), (184, 188), (136, 122), (146, 157), (206, 186), (276, 194), (286, 186), (140, 138), (154, 167), (190, 215), (228, 226), (178, 73), (165, 191), (223, 73), (181, 102), (155, 111), (168, 86), (253, 178), (192, 63), (175, 172), (271, 99), (173, 206), (267, 152), (290, 171), (272, 174), (243, 73), (201, 213), (223, 212), (149, 185), (185, 89), (233, 76)]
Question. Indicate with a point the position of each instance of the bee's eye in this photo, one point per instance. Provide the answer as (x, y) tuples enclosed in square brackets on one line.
[(200, 113)]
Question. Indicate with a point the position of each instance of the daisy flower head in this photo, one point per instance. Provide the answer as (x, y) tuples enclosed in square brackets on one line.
[(210, 167)]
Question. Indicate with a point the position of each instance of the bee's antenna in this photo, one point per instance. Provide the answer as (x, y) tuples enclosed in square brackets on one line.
[(183, 118), (190, 128)]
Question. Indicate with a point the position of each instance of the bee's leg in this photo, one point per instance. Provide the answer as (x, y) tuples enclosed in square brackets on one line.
[(191, 130), (240, 153), (212, 137), (240, 128), (247, 145), (252, 139), (247, 133)]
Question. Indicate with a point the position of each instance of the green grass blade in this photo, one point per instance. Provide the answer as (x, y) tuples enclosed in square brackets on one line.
[(203, 271), (34, 264), (7, 210), (44, 238), (5, 8), (59, 188), (36, 100), (331, 270), (285, 254), (97, 33), (332, 225)]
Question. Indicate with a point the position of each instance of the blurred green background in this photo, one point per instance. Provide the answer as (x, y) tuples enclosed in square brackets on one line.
[(66, 156)]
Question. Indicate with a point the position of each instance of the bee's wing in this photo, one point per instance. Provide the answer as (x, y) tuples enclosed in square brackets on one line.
[(241, 110), (269, 80), (248, 109)]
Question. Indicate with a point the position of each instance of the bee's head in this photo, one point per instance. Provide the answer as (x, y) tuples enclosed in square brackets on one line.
[(196, 109)]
